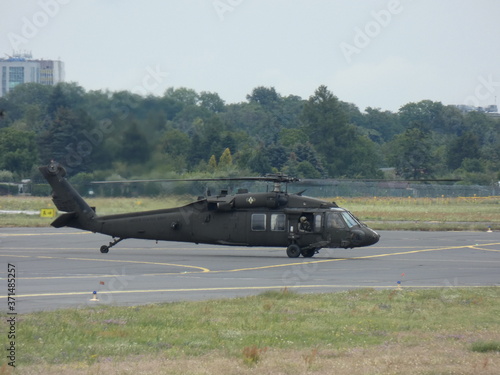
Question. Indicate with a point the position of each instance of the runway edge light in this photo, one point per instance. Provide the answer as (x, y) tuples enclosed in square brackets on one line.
[(400, 281), (94, 298)]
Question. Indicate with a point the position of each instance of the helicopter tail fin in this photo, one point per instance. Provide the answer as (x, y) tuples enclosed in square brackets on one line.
[(78, 213)]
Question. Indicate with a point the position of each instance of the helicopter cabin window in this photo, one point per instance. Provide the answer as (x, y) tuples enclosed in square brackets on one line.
[(317, 222), (278, 222), (258, 222), (334, 220)]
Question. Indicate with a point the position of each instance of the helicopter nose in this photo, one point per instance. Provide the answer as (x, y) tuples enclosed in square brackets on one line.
[(371, 237), (364, 237)]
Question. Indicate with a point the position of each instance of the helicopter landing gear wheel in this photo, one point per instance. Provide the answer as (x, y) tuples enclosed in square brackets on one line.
[(105, 249), (293, 251), (308, 253)]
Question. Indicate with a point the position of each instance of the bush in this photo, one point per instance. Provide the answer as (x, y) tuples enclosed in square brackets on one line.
[(41, 190), (6, 176), (486, 346)]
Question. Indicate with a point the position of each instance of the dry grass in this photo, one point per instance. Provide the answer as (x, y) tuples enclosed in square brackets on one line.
[(434, 354), (448, 331)]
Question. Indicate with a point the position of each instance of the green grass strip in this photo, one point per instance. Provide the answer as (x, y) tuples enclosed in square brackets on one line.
[(281, 320)]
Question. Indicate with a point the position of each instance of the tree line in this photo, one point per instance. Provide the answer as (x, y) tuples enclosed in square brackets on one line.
[(110, 135)]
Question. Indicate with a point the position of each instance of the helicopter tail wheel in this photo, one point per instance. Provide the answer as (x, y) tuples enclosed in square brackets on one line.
[(105, 249), (293, 251)]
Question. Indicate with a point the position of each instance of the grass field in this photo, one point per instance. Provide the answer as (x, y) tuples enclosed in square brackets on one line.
[(401, 331), (426, 213), (379, 213)]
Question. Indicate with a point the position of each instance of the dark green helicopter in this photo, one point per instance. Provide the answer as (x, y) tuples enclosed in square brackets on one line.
[(301, 224)]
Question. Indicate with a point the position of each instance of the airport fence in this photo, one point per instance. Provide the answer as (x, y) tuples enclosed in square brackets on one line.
[(312, 188)]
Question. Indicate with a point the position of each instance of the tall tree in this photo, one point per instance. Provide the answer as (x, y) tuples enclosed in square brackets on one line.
[(63, 140), (24, 98), (211, 101), (66, 95), (277, 156), (135, 148), (430, 116), (226, 159), (465, 146), (305, 152), (385, 123), (182, 95), (57, 100), (17, 151), (259, 161), (266, 97), (326, 125), (337, 141), (175, 143), (411, 154)]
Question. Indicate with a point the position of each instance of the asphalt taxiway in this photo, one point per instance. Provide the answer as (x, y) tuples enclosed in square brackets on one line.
[(58, 268)]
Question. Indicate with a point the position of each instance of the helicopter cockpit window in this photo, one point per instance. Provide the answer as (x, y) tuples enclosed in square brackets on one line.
[(334, 220), (349, 219), (278, 222), (259, 222)]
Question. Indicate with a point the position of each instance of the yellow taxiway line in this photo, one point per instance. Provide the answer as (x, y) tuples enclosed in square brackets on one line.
[(362, 257), (40, 234), (281, 287), (206, 270)]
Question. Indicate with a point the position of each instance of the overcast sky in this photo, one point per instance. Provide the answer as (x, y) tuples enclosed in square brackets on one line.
[(371, 53)]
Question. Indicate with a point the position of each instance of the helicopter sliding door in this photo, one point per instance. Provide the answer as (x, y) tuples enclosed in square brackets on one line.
[(306, 228), (267, 229)]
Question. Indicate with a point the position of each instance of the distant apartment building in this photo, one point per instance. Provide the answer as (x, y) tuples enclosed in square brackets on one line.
[(22, 68)]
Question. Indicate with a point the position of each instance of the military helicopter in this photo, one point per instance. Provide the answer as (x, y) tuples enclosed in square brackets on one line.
[(276, 218)]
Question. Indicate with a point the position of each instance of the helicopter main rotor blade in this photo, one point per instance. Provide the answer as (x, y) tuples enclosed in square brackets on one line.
[(269, 178), (306, 180), (276, 178)]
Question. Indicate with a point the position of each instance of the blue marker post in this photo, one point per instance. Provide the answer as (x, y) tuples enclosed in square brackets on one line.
[(400, 281), (94, 298)]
